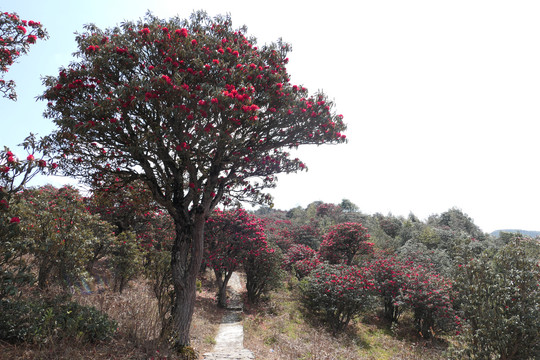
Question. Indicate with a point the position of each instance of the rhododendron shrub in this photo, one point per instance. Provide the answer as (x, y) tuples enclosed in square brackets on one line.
[(231, 237), (60, 232), (343, 242), (125, 258), (15, 172), (499, 299), (429, 295), (337, 293), (193, 108), (279, 232), (297, 253), (16, 36), (263, 272), (304, 267), (389, 280)]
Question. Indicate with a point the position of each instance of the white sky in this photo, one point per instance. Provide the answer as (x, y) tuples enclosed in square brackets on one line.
[(442, 98)]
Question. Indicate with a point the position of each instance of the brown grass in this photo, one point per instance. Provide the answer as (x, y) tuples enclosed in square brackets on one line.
[(135, 310), (281, 329)]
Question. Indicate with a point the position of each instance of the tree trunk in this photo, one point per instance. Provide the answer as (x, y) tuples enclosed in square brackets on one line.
[(186, 261), (45, 269), (222, 280)]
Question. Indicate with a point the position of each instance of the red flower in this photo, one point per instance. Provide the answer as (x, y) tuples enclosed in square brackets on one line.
[(181, 32), (31, 39), (42, 163), (30, 157), (193, 42), (15, 220), (145, 31), (21, 29)]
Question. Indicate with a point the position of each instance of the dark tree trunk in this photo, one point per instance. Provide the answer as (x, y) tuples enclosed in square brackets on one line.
[(222, 280), (45, 269), (186, 261)]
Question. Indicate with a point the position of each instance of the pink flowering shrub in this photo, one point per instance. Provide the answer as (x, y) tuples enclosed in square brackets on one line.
[(337, 293), (343, 242)]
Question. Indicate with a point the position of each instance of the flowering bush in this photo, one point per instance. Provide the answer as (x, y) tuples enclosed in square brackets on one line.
[(15, 40), (388, 282), (336, 293), (343, 242), (429, 296), (231, 238), (297, 253), (15, 172)]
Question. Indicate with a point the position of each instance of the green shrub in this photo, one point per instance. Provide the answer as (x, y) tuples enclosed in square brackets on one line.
[(263, 272), (39, 321), (499, 297)]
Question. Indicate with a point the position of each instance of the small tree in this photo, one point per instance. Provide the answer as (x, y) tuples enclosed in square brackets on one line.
[(16, 36), (60, 231), (15, 172), (389, 280), (429, 295), (193, 108), (297, 253), (343, 242), (337, 293), (500, 300), (231, 238), (263, 272)]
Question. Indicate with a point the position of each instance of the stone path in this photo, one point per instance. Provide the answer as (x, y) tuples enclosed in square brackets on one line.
[(230, 337)]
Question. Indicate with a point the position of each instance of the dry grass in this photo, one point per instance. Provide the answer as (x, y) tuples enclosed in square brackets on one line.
[(135, 310), (280, 329)]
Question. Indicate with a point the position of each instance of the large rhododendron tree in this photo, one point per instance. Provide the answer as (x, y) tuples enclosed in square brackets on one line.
[(16, 36), (193, 108)]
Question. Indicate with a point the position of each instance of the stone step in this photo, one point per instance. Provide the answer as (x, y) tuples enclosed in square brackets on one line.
[(243, 354)]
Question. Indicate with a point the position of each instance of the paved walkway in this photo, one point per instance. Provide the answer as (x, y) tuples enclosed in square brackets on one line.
[(230, 337)]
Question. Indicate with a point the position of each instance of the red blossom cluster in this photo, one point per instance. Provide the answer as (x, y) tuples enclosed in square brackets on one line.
[(14, 42), (344, 241), (409, 285)]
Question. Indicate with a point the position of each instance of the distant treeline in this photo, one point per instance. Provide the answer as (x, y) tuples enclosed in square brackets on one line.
[(515, 231)]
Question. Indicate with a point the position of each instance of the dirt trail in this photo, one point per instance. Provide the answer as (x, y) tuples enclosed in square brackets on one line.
[(230, 337)]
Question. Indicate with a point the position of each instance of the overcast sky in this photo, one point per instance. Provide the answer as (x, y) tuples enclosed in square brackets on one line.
[(441, 98)]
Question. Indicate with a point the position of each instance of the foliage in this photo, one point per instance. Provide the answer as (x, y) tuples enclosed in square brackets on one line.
[(500, 301), (388, 274), (263, 272), (231, 237), (297, 253), (343, 242), (337, 293), (15, 172), (194, 109), (42, 320), (15, 40), (125, 259), (307, 234), (59, 231), (429, 295)]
